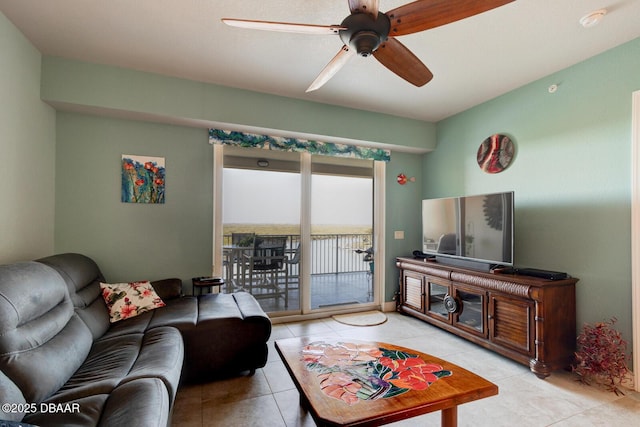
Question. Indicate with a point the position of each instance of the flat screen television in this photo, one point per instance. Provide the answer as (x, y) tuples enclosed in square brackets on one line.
[(469, 231)]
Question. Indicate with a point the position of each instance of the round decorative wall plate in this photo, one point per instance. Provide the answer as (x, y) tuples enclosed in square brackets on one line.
[(495, 153)]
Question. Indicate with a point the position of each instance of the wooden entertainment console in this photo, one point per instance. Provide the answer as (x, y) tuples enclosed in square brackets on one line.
[(530, 320)]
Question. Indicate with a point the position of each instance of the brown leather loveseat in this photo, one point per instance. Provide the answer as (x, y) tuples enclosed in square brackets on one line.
[(63, 363)]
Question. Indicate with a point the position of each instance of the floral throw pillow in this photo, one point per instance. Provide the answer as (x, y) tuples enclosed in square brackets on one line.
[(127, 300)]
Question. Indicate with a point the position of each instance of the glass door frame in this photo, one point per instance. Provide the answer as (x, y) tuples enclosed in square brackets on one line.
[(306, 312)]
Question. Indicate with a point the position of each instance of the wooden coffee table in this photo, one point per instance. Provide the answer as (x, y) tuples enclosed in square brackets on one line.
[(357, 383)]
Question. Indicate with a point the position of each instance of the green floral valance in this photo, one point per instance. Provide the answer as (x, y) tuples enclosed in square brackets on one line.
[(279, 143)]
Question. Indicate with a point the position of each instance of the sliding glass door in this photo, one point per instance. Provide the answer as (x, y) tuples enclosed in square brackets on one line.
[(297, 230), (261, 227), (341, 235)]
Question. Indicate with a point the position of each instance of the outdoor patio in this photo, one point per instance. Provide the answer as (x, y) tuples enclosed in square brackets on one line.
[(340, 271), (326, 290)]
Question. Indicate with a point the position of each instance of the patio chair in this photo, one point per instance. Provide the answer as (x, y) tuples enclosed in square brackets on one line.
[(268, 269), (233, 258), (293, 263)]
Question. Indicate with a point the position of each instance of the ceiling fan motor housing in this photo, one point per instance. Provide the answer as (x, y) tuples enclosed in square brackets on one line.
[(365, 34)]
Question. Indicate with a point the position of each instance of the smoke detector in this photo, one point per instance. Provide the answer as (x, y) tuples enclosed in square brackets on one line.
[(592, 19)]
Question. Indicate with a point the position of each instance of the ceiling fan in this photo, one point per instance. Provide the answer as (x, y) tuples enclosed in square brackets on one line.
[(367, 31)]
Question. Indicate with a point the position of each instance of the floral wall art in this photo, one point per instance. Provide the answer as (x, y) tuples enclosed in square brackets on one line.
[(143, 179)]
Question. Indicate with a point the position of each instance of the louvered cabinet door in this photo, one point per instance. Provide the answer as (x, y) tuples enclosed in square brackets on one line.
[(511, 323), (413, 291)]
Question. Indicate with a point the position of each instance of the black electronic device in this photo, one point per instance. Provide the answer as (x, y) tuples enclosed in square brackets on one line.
[(208, 279), (543, 274)]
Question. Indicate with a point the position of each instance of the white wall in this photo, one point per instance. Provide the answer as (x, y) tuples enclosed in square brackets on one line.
[(27, 152)]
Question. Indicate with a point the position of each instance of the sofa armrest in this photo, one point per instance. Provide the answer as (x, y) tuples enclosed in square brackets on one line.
[(168, 288), (252, 312)]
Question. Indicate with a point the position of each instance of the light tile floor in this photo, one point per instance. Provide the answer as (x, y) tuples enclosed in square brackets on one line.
[(269, 398)]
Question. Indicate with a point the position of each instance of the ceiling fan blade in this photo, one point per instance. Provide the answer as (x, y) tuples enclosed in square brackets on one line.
[(422, 15), (399, 59), (332, 68), (283, 26), (364, 6)]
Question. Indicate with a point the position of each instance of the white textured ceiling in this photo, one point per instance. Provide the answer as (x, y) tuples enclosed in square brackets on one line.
[(472, 60)]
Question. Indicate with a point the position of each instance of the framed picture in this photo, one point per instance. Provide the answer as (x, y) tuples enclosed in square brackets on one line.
[(143, 179)]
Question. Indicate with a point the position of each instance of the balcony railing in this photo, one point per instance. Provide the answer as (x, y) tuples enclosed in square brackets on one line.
[(331, 253)]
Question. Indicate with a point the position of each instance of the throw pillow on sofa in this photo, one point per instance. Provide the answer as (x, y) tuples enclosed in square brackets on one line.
[(127, 300)]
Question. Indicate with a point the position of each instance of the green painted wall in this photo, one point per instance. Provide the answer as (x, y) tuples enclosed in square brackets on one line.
[(403, 213), (133, 241), (27, 147), (90, 85), (571, 174)]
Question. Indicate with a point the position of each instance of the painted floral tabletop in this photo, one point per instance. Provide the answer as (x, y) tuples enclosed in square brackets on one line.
[(352, 372)]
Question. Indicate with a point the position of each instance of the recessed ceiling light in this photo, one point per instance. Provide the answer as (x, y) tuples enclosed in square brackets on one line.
[(593, 18)]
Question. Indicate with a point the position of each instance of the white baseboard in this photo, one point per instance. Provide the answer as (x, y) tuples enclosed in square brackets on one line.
[(389, 306)]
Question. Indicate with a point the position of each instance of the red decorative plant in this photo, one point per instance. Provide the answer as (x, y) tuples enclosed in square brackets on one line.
[(601, 355)]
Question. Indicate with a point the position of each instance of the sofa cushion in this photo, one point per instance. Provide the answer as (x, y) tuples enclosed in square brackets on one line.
[(82, 412), (42, 341), (79, 273), (83, 277), (161, 356), (135, 325), (127, 300), (181, 313), (142, 402), (113, 361)]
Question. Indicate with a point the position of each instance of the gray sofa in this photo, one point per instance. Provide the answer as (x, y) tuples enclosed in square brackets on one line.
[(64, 364)]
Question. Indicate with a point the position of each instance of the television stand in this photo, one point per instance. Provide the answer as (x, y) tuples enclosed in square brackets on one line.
[(528, 319)]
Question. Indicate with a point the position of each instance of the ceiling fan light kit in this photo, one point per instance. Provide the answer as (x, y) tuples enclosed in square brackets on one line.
[(592, 19), (369, 32), (364, 33)]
